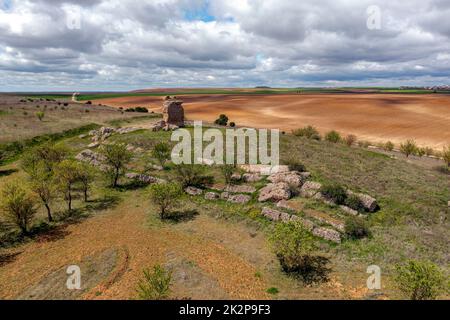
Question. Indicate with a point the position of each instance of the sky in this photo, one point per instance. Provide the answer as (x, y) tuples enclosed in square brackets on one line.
[(109, 45)]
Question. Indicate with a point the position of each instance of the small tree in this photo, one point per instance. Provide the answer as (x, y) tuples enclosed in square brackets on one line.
[(116, 159), (67, 175), (85, 178), (227, 171), (446, 155), (47, 154), (42, 183), (408, 148), (350, 140), (155, 285), (419, 280), (165, 195), (17, 205), (333, 136), (161, 152), (40, 115), (388, 146), (222, 121)]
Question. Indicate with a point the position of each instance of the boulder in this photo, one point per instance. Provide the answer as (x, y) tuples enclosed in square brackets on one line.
[(252, 177), (224, 195), (239, 198), (293, 178), (265, 170), (90, 156), (94, 145), (158, 126), (369, 203), (240, 189), (275, 192), (271, 214), (212, 196), (193, 191), (349, 210), (328, 234), (236, 177), (310, 189)]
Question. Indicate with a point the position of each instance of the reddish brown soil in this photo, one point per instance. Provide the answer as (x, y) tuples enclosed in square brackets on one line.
[(372, 117)]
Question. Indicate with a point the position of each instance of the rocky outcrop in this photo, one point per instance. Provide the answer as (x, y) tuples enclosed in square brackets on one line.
[(326, 219), (264, 170), (239, 198), (370, 204), (252, 177), (275, 192), (240, 189), (193, 191), (310, 189), (143, 178), (293, 178), (212, 196), (90, 157), (327, 234), (349, 210), (276, 215)]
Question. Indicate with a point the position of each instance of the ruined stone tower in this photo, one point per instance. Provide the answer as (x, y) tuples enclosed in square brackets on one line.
[(173, 112)]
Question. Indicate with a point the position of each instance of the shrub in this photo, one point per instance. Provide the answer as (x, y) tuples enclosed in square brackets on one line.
[(419, 280), (350, 140), (354, 203), (141, 109), (89, 102), (356, 228), (155, 285), (273, 291), (446, 155), (66, 104), (191, 175), (388, 146), (17, 205), (421, 152), (363, 144), (227, 171), (333, 137), (295, 248), (165, 195), (334, 192), (232, 124), (222, 121), (408, 148), (116, 157), (40, 115), (161, 152), (295, 165), (308, 132), (429, 151)]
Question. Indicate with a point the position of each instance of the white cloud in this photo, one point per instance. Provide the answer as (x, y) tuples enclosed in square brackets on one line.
[(133, 44)]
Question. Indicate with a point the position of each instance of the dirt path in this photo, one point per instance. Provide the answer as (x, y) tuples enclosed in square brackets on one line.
[(125, 228), (373, 117)]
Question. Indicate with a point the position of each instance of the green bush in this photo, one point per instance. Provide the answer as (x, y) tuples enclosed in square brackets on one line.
[(308, 132), (161, 152), (420, 280), (356, 228), (296, 251), (335, 193), (165, 196), (192, 175), (388, 146), (295, 165), (155, 285), (232, 124), (222, 121), (227, 172), (446, 155), (333, 136), (354, 203)]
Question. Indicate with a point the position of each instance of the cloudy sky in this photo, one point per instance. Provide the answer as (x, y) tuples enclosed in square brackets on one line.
[(125, 44)]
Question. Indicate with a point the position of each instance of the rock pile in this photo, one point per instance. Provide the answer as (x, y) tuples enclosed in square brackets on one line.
[(143, 178)]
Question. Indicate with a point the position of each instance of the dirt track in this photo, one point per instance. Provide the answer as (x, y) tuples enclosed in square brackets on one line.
[(373, 117)]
